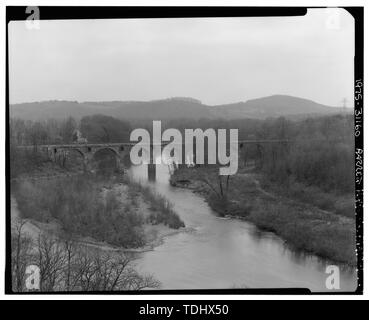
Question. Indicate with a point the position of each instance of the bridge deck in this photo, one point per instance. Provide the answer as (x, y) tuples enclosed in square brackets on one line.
[(129, 144), (79, 145)]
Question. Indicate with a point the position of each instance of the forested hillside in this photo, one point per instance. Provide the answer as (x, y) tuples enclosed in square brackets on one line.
[(175, 108)]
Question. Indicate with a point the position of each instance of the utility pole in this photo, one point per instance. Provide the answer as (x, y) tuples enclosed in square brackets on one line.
[(344, 101)]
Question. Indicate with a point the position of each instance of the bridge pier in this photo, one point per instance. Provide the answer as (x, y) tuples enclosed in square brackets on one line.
[(151, 167), (151, 171), (119, 165)]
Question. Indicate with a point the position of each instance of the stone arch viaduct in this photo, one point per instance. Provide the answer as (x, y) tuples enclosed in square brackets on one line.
[(122, 150), (88, 151)]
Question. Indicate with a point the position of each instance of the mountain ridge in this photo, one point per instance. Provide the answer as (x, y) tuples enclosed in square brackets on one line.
[(174, 108)]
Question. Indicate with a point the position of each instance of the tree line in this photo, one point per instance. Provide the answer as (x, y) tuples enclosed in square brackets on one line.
[(65, 265), (95, 128), (320, 152)]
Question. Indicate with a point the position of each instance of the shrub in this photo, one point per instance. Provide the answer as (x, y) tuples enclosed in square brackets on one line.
[(77, 204), (163, 211), (307, 230)]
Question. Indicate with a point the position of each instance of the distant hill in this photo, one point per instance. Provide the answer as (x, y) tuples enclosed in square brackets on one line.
[(274, 106), (174, 108)]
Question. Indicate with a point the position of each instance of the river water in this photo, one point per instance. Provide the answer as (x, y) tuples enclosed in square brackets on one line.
[(220, 253)]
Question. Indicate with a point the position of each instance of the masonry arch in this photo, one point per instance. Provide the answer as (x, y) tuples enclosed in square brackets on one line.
[(106, 159), (75, 158)]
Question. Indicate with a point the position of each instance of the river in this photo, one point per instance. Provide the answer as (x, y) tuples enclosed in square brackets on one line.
[(220, 253)]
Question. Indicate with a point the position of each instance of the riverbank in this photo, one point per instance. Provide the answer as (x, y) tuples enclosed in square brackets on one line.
[(33, 229), (303, 226), (108, 213)]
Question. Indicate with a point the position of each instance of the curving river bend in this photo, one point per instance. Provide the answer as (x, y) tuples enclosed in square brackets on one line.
[(225, 253)]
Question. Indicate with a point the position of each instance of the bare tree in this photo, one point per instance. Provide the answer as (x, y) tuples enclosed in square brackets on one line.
[(21, 246), (67, 266), (223, 188), (51, 261)]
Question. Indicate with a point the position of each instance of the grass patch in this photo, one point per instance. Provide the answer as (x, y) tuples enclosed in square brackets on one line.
[(341, 204), (77, 204), (161, 209), (319, 233)]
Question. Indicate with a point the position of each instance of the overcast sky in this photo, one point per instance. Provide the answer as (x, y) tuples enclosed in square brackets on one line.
[(214, 60)]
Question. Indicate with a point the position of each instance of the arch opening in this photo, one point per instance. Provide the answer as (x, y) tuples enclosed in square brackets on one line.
[(105, 161), (74, 160)]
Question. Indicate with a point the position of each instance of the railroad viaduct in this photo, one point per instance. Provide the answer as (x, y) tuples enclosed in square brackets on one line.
[(122, 151)]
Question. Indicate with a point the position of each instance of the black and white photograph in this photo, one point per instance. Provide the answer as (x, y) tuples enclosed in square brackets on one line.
[(173, 151)]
